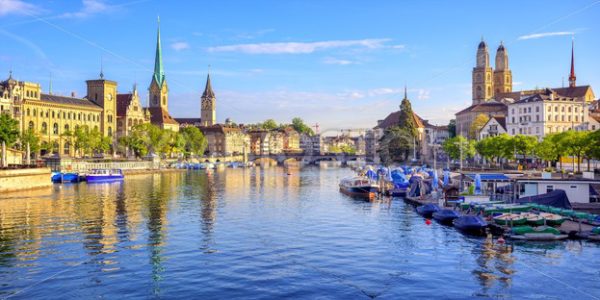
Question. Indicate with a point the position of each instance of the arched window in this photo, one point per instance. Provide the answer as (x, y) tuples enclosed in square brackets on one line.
[(28, 112), (34, 112), (31, 125), (55, 128), (53, 116), (110, 118), (89, 117), (129, 123), (66, 127), (55, 147), (64, 115), (79, 116), (47, 113), (44, 127), (67, 148), (109, 131)]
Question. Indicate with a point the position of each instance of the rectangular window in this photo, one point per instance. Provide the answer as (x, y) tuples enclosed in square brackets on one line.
[(549, 188)]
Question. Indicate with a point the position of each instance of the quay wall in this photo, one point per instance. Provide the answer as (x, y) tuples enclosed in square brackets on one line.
[(24, 179)]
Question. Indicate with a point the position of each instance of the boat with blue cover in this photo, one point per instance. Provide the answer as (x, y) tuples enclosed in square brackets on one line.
[(470, 224), (427, 210), (445, 216), (60, 177), (104, 175)]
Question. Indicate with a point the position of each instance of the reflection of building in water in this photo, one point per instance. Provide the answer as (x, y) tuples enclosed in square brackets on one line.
[(276, 183), (208, 209), (494, 263)]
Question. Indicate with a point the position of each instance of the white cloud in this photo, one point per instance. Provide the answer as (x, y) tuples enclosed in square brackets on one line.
[(90, 7), (545, 34), (178, 46), (423, 94), (298, 47), (17, 7), (398, 46), (337, 61)]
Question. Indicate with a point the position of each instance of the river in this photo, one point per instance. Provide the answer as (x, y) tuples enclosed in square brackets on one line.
[(262, 234)]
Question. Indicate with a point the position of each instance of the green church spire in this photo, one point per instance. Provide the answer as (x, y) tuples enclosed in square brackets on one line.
[(159, 72)]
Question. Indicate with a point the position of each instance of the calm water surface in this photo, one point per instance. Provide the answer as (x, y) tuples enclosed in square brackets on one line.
[(261, 234)]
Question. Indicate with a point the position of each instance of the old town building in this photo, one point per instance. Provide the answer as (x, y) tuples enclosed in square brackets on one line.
[(55, 117), (492, 89), (225, 140), (130, 112), (493, 127), (545, 113)]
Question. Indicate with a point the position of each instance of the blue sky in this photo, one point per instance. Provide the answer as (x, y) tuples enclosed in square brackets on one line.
[(342, 64)]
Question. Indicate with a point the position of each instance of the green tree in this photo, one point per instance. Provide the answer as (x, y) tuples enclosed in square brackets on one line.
[(577, 144), (9, 130), (452, 128), (395, 145), (594, 139), (348, 149), (300, 127), (453, 147), (31, 138), (551, 148), (476, 126), (524, 145), (269, 124), (195, 142), (406, 119), (82, 143)]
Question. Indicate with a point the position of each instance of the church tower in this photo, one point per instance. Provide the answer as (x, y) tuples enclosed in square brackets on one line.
[(502, 73), (208, 110), (159, 92), (482, 76), (572, 77)]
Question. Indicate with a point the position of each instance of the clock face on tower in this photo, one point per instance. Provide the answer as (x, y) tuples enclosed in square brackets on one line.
[(206, 103), (109, 97)]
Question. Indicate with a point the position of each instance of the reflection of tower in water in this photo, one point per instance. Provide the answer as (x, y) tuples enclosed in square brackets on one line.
[(208, 206), (157, 221)]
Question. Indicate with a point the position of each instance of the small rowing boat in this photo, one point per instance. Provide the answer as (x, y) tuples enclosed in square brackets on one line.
[(510, 219)]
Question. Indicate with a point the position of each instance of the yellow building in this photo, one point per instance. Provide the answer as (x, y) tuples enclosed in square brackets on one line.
[(51, 116)]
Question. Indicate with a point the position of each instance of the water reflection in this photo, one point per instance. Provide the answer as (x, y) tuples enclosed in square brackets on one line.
[(271, 232)]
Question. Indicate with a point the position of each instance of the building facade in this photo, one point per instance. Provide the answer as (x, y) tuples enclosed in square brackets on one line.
[(495, 126), (547, 112), (225, 140), (130, 112), (208, 105)]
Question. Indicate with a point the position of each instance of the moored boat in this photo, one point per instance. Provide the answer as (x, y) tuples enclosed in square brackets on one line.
[(359, 187), (510, 219), (553, 219), (533, 219), (427, 210), (445, 216), (66, 177), (542, 233), (104, 175), (470, 224)]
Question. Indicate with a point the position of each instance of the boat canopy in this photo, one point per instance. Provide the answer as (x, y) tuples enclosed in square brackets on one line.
[(556, 198)]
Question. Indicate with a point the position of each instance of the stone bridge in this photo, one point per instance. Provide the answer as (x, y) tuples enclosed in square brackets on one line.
[(307, 158)]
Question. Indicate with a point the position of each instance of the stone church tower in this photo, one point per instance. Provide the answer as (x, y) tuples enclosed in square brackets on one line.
[(208, 107), (482, 76), (104, 93), (159, 92), (502, 73)]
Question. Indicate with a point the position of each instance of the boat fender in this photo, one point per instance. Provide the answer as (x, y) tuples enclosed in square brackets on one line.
[(427, 221)]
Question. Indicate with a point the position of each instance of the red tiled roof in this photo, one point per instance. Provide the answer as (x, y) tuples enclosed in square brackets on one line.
[(393, 119), (159, 115)]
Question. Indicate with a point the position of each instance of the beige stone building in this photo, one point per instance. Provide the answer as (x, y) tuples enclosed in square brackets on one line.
[(225, 140), (130, 112), (547, 112)]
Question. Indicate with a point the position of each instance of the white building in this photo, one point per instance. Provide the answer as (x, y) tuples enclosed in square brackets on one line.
[(494, 126), (546, 112)]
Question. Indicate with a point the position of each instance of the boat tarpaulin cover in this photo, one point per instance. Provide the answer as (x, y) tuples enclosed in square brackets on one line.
[(556, 198)]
